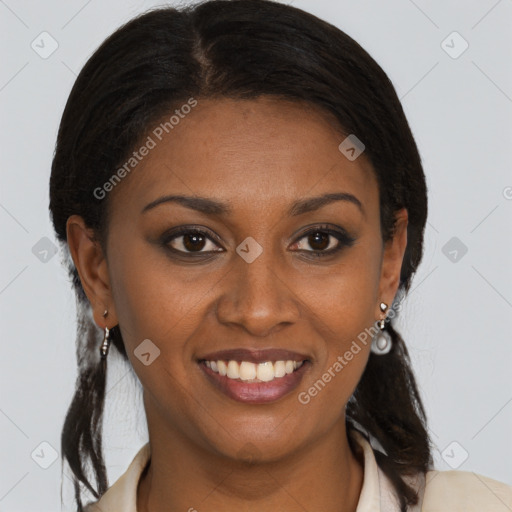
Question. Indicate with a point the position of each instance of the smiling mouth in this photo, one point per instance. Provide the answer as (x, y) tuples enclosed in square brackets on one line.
[(250, 372), (254, 383)]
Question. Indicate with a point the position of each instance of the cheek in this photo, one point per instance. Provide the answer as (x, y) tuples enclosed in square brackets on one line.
[(152, 310), (157, 301), (342, 308), (343, 299), (341, 322), (150, 295)]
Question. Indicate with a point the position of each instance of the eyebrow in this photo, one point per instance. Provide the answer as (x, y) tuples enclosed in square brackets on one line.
[(214, 207)]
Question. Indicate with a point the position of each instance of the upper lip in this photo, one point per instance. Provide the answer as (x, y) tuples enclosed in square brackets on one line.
[(254, 355)]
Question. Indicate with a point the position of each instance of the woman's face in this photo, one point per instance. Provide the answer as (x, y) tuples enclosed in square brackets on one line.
[(253, 281)]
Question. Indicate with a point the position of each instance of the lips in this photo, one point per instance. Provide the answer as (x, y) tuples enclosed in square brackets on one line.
[(254, 376)]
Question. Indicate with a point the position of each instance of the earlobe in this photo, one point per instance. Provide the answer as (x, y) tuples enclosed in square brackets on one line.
[(91, 265), (393, 256)]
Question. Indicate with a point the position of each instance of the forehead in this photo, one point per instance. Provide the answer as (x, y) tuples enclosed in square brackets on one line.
[(263, 152)]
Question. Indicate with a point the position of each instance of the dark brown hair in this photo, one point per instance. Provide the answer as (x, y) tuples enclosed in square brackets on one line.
[(237, 49)]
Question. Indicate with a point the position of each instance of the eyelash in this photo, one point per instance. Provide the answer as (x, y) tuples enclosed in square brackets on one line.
[(343, 238)]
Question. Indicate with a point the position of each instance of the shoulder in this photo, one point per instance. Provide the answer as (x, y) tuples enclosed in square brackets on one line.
[(122, 495), (464, 491)]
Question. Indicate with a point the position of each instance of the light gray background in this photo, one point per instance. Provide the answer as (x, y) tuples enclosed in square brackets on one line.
[(456, 320)]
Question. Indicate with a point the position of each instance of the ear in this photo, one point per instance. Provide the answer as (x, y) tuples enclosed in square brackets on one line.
[(92, 268), (392, 259)]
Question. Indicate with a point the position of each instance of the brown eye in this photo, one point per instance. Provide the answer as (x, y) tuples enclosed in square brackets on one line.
[(323, 241), (191, 241), (319, 240)]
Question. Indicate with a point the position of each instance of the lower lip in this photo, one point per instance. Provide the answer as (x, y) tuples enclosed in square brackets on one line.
[(256, 392)]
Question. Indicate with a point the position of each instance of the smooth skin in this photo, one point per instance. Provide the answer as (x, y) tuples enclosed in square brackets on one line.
[(258, 156)]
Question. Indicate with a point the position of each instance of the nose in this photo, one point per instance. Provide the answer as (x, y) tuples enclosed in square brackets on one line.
[(258, 297)]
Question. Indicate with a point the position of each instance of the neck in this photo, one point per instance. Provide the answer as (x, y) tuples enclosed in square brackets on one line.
[(324, 475)]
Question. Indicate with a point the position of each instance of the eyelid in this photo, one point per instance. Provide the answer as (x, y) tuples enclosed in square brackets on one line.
[(326, 228)]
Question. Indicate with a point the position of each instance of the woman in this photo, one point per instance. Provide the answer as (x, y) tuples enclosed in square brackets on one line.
[(244, 206)]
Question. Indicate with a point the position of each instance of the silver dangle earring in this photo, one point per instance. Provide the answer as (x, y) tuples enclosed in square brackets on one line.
[(106, 340), (382, 342)]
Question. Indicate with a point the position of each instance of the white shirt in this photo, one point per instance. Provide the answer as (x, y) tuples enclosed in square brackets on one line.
[(439, 491)]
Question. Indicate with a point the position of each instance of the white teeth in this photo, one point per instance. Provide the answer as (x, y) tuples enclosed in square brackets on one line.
[(266, 371), (222, 368), (247, 371), (279, 370), (233, 370)]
